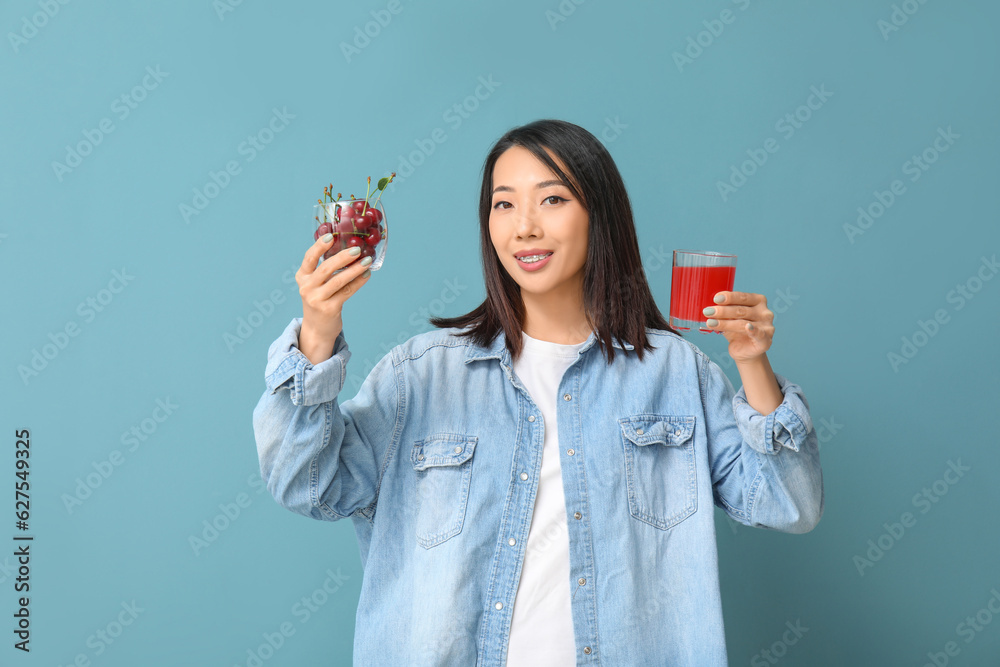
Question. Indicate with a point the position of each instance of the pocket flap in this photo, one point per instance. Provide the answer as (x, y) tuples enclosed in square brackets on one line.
[(444, 449), (658, 429)]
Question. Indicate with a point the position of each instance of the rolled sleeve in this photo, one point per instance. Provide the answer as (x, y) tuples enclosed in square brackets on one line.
[(787, 425), (308, 384)]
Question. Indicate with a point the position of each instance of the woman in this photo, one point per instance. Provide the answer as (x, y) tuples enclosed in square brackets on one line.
[(533, 483)]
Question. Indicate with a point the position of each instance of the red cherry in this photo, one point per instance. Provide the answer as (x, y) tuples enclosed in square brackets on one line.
[(359, 205), (365, 221), (325, 228), (344, 227), (355, 240), (373, 238), (367, 251), (346, 212), (377, 213)]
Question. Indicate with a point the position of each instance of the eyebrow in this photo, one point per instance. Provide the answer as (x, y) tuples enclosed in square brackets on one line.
[(539, 186)]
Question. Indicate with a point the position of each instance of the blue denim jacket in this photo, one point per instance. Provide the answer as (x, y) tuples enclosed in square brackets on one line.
[(436, 462)]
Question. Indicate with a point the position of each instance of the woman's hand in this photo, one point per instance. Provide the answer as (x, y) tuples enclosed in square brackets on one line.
[(745, 321), (324, 294)]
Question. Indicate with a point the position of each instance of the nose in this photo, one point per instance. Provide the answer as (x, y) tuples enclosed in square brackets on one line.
[(527, 224)]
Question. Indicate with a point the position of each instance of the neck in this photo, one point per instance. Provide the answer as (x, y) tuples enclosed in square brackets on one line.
[(557, 316)]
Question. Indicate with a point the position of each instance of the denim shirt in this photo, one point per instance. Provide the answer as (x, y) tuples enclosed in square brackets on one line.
[(436, 462)]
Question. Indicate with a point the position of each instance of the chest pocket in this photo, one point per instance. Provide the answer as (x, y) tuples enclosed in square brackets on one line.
[(660, 468), (442, 464)]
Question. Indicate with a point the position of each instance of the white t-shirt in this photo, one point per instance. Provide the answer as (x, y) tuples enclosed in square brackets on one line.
[(541, 631)]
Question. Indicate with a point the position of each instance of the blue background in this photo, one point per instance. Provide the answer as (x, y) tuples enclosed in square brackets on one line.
[(845, 297)]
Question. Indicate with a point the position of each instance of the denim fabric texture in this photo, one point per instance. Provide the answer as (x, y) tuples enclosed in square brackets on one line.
[(436, 463)]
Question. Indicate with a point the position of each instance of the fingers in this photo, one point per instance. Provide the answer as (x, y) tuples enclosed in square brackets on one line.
[(347, 281), (758, 329), (759, 313), (739, 298), (315, 251)]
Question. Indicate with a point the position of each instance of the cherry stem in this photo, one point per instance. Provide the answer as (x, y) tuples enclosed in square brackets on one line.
[(364, 209)]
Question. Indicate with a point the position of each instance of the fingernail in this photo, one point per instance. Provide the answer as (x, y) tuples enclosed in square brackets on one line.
[(326, 238), (719, 298), (750, 326), (354, 250), (366, 273), (713, 323), (366, 261), (709, 311)]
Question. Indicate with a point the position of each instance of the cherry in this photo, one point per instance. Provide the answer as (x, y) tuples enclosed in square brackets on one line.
[(365, 221), (355, 240), (346, 212), (377, 214), (325, 228), (374, 236)]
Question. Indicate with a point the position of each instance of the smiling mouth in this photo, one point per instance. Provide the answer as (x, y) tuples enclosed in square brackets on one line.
[(531, 259)]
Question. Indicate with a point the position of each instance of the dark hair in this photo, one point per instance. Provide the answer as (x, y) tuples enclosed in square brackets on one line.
[(616, 296)]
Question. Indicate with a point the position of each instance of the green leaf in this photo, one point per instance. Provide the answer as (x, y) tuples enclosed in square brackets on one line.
[(382, 182)]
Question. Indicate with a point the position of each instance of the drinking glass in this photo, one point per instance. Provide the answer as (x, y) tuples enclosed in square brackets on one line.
[(353, 223), (697, 276)]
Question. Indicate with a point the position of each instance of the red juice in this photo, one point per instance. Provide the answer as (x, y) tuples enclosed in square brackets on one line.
[(693, 288)]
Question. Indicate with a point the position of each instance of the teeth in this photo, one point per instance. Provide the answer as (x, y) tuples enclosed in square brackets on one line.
[(530, 259)]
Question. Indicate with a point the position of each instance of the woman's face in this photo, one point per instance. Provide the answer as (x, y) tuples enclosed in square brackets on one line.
[(532, 211)]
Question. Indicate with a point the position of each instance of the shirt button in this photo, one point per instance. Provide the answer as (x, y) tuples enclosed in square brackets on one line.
[(577, 515), (531, 418), (586, 649), (458, 449), (512, 541), (582, 581), (566, 397), (638, 431), (524, 476), (499, 605), (677, 432), (571, 452), (420, 457)]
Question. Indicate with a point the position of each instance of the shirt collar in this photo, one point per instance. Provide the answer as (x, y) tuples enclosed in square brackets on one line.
[(498, 348)]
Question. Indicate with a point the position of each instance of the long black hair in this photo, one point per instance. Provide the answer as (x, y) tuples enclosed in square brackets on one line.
[(617, 299)]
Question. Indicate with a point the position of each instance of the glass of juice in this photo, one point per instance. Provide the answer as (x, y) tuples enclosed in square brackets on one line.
[(697, 276)]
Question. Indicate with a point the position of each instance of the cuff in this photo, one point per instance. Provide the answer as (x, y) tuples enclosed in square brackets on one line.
[(786, 426), (308, 384)]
